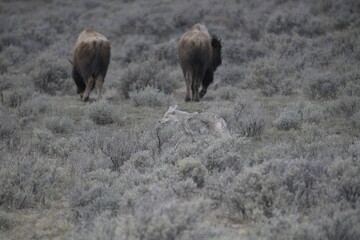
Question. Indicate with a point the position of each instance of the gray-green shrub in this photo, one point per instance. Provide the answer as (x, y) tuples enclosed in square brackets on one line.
[(9, 130), (288, 119), (313, 113), (192, 168), (36, 104), (223, 154), (266, 75), (29, 181), (227, 93), (145, 73), (322, 86), (345, 106), (49, 75), (58, 124), (150, 97), (102, 112)]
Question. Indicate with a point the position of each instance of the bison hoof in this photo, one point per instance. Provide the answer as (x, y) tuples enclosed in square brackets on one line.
[(187, 99), (202, 93), (85, 99)]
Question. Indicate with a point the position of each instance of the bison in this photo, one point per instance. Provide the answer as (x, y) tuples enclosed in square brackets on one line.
[(200, 55), (90, 62)]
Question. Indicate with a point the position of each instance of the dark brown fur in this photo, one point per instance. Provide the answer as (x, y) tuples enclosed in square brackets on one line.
[(90, 62), (200, 55)]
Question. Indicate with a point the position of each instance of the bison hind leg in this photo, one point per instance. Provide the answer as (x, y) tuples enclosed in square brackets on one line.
[(98, 83), (188, 79), (202, 92), (89, 86), (206, 81)]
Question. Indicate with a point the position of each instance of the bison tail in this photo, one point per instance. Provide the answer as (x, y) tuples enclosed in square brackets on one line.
[(101, 59)]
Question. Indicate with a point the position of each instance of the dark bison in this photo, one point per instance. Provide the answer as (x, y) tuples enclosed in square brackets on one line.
[(90, 62), (200, 55)]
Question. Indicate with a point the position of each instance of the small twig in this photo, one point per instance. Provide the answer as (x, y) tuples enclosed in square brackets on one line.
[(22, 201)]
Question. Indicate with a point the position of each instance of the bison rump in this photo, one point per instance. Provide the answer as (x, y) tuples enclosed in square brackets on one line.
[(90, 59)]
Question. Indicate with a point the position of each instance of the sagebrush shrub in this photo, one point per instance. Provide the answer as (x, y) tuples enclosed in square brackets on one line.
[(312, 27), (28, 181), (162, 220), (49, 75), (281, 22), (121, 145), (192, 168), (323, 86), (231, 75), (287, 226), (34, 105), (252, 126), (243, 117), (137, 49), (216, 184), (352, 89), (150, 72), (287, 46), (14, 54), (155, 24), (17, 97), (345, 180), (141, 160), (168, 52), (227, 93), (186, 17), (259, 191), (37, 36), (355, 122), (345, 106), (224, 154), (44, 141), (243, 51), (150, 97), (268, 76), (313, 113), (342, 225), (4, 63), (90, 199), (9, 129), (6, 221), (59, 124), (288, 118), (172, 220), (102, 112)]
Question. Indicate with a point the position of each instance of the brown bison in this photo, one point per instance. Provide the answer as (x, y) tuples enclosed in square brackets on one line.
[(90, 62), (200, 55)]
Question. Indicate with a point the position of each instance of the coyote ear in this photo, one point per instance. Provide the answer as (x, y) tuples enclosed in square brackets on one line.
[(173, 108)]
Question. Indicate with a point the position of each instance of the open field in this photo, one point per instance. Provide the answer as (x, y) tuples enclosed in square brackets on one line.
[(288, 89)]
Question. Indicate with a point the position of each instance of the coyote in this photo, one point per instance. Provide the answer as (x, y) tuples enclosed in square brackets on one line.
[(197, 123)]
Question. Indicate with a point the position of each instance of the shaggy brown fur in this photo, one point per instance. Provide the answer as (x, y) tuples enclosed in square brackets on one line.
[(200, 55), (90, 62)]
